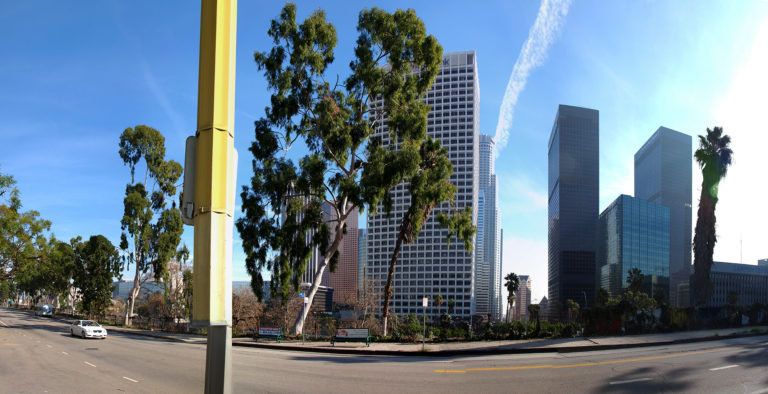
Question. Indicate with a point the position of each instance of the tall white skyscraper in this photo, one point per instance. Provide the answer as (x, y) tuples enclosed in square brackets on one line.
[(489, 258), (429, 266)]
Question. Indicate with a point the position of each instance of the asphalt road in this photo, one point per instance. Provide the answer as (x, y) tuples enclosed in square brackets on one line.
[(37, 355)]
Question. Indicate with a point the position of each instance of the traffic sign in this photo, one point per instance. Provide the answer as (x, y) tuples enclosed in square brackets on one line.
[(301, 294)]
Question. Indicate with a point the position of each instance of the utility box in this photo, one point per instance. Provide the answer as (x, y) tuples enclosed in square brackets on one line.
[(188, 193)]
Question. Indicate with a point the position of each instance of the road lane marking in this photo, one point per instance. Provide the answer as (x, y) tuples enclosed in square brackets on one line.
[(449, 371), (630, 381), (127, 378), (89, 364), (1, 322), (49, 346), (763, 391), (65, 353), (631, 360), (725, 367)]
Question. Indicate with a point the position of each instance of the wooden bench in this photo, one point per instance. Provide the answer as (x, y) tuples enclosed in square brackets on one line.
[(271, 333), (352, 335)]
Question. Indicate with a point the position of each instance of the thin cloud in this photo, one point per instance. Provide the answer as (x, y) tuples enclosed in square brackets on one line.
[(540, 37)]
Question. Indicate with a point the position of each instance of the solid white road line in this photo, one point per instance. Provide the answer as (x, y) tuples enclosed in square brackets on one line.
[(630, 381), (763, 391), (725, 367), (89, 364), (65, 353), (127, 378)]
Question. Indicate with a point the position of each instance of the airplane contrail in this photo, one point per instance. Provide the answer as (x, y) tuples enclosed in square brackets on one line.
[(540, 37)]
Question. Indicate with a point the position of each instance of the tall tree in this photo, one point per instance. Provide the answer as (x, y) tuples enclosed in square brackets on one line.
[(635, 279), (22, 235), (714, 157), (152, 244), (345, 168), (97, 262), (512, 283)]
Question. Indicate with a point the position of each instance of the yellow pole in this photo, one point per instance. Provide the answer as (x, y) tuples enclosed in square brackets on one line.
[(215, 189)]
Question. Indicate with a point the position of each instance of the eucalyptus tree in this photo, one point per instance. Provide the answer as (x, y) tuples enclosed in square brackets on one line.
[(395, 63), (714, 157), (145, 243)]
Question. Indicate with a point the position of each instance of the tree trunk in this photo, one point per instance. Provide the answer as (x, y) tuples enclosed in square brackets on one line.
[(298, 326), (704, 246), (132, 298), (390, 275)]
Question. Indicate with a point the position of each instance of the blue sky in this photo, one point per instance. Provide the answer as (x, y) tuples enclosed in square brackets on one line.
[(74, 76)]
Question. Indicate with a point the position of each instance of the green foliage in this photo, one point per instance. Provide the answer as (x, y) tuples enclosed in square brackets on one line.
[(635, 279), (714, 156), (145, 244), (345, 167), (602, 296), (96, 263)]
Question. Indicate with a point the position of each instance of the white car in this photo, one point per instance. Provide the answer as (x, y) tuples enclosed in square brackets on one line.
[(87, 329)]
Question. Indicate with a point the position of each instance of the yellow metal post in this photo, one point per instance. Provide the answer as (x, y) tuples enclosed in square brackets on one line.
[(214, 189)]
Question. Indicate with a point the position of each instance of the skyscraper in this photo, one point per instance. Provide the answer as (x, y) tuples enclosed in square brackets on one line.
[(522, 299), (429, 266), (574, 181), (362, 261), (633, 233), (489, 258), (482, 266), (343, 279), (663, 174)]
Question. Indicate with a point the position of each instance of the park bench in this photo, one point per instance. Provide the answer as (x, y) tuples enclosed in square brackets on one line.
[(270, 332), (352, 335)]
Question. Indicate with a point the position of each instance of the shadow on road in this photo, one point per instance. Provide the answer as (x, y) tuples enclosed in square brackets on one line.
[(661, 380)]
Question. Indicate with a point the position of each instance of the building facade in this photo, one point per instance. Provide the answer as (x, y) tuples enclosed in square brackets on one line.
[(343, 280), (663, 174), (362, 261), (573, 192), (489, 259), (482, 266), (748, 282), (633, 233), (522, 299), (430, 266)]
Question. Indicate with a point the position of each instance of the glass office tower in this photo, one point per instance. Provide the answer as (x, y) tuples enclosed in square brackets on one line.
[(633, 233), (663, 174), (574, 181)]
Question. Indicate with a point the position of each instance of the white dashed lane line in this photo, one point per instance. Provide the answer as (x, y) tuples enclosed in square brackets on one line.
[(630, 381), (1, 322), (65, 353), (49, 346), (127, 378), (89, 364), (725, 367)]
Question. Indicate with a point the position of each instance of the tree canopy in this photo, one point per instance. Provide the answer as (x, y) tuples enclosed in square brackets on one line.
[(152, 244), (395, 64)]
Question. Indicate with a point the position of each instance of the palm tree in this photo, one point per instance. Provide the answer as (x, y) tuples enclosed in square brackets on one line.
[(635, 279), (714, 157), (534, 311), (512, 282), (438, 301)]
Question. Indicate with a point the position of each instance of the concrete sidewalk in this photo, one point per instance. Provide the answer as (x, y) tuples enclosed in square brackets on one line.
[(579, 344)]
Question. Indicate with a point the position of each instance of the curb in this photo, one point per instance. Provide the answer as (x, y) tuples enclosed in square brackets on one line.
[(490, 351)]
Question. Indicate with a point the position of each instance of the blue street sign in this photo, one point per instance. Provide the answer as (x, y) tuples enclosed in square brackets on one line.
[(301, 294)]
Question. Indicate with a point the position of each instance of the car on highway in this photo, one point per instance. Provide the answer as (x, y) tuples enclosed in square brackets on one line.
[(44, 310), (87, 329)]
